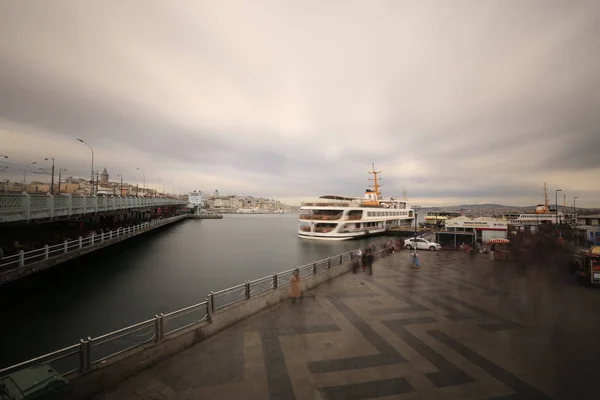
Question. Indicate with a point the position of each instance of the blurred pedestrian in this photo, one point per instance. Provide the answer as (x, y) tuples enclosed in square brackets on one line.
[(296, 291)]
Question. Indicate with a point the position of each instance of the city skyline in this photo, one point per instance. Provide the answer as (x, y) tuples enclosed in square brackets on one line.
[(454, 102)]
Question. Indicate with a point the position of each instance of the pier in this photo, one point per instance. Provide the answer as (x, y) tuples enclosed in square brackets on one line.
[(28, 262), (456, 328)]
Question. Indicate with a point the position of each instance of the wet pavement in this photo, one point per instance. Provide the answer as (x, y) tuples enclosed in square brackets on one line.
[(457, 328)]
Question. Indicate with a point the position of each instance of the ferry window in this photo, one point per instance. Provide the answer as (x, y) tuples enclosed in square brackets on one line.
[(369, 214)]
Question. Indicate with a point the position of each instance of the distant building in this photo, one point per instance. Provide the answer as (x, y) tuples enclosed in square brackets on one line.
[(104, 177), (591, 224)]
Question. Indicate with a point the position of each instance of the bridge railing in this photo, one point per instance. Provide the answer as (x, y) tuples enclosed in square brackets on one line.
[(82, 357), (25, 207), (24, 258)]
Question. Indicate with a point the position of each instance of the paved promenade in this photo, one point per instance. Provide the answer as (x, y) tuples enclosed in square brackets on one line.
[(455, 329)]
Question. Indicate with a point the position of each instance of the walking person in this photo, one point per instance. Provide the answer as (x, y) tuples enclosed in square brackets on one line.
[(296, 291), (370, 259), (415, 262), (357, 256)]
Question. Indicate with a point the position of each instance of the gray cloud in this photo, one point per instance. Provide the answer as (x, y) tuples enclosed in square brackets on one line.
[(451, 101)]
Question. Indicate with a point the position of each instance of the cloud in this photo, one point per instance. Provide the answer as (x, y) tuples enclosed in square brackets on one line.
[(293, 99)]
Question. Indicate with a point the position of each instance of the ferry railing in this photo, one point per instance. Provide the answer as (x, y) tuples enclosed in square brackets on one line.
[(90, 352), (24, 258)]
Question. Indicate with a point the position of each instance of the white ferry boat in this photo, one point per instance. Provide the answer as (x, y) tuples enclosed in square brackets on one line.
[(342, 218), (439, 217)]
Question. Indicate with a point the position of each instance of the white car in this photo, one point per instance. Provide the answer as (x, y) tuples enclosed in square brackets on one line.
[(422, 244)]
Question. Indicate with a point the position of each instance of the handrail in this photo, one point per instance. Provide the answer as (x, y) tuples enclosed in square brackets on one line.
[(85, 349), (24, 258)]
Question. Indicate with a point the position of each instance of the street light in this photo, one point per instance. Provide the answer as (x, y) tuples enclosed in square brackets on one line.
[(416, 209), (121, 186), (143, 173), (60, 171), (25, 173), (556, 199), (575, 209), (92, 169), (51, 179)]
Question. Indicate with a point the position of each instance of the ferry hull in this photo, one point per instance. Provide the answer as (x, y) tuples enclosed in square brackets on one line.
[(340, 236)]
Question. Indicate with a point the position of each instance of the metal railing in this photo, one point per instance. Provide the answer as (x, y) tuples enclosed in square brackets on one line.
[(25, 207), (24, 258), (89, 352)]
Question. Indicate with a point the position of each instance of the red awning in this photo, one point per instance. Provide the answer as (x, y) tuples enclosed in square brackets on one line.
[(499, 241)]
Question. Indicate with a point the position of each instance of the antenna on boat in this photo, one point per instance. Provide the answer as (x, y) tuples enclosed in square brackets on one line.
[(375, 180)]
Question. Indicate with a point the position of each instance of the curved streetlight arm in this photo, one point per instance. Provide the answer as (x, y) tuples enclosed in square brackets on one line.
[(92, 173)]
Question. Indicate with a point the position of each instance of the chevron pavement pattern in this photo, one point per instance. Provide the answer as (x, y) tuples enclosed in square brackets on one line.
[(455, 329)]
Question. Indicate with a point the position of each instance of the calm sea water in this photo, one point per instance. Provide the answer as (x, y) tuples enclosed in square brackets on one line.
[(158, 272)]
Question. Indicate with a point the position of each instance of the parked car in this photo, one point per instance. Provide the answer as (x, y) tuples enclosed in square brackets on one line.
[(422, 244)]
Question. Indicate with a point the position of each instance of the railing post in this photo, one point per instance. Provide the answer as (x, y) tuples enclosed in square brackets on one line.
[(211, 297), (66, 246), (341, 258), (247, 289), (92, 239), (80, 242), (69, 204), (46, 251), (21, 258), (328, 263), (26, 205), (85, 352), (275, 281), (110, 234), (159, 327), (50, 205), (209, 307), (314, 268), (102, 236)]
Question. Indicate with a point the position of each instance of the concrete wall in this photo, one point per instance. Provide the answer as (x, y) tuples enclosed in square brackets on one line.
[(132, 362)]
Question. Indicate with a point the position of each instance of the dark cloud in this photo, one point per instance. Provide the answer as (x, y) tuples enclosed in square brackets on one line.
[(451, 101)]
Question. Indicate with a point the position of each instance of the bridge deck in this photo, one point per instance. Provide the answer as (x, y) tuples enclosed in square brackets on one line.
[(455, 329)]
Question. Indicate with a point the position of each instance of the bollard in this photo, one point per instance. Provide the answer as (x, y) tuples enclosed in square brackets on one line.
[(21, 258), (85, 352), (159, 327), (80, 242), (314, 268), (247, 289), (46, 252), (275, 281), (66, 247)]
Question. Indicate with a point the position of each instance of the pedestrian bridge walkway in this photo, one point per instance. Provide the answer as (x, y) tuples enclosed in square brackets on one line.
[(25, 207), (453, 329)]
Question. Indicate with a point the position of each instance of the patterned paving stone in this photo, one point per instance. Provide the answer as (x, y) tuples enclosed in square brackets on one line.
[(454, 329)]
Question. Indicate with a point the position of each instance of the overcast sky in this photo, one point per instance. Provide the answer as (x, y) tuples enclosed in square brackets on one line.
[(474, 101)]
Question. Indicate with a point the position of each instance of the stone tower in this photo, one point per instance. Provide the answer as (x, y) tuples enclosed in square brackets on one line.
[(104, 177)]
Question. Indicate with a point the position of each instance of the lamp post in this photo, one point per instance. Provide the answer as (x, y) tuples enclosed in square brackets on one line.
[(121, 186), (416, 208), (92, 169), (575, 209), (556, 199), (60, 171), (25, 173), (52, 174), (143, 173)]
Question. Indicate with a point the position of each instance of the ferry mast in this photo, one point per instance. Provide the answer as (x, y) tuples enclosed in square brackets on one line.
[(375, 180)]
